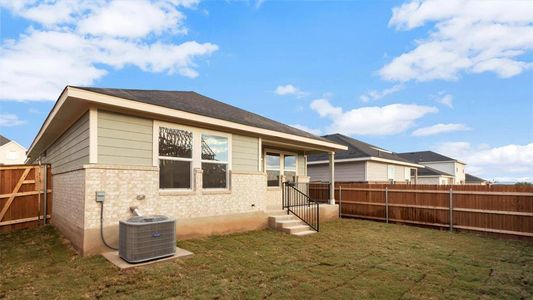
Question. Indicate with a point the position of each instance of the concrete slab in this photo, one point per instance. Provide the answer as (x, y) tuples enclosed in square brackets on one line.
[(115, 259)]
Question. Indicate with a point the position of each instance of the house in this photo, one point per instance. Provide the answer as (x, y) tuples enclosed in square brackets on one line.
[(214, 167), (473, 180), (11, 153), (361, 162), (438, 162)]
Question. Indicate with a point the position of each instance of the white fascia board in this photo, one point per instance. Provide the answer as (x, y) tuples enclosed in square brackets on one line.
[(369, 158), (442, 161), (60, 101)]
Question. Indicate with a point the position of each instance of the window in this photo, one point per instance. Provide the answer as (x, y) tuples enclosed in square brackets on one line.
[(214, 161), (273, 169), (289, 167), (175, 158), (391, 172), (407, 174)]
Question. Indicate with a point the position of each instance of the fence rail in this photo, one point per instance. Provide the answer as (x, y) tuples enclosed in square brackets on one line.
[(25, 196), (495, 209)]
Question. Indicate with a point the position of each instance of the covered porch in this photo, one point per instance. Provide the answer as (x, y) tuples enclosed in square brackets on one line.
[(289, 204)]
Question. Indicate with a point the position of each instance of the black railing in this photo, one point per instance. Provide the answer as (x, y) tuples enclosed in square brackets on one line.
[(301, 205)]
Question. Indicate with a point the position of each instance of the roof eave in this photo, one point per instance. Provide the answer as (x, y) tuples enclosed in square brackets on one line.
[(99, 98)]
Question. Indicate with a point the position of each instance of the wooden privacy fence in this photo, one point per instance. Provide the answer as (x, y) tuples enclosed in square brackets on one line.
[(23, 200), (495, 209)]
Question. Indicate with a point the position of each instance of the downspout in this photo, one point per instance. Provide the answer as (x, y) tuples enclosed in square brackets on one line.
[(45, 196)]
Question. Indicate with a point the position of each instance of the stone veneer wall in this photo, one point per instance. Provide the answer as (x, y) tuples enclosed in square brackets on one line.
[(68, 205), (122, 185)]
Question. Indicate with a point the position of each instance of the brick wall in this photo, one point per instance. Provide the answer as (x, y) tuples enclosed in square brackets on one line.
[(122, 185)]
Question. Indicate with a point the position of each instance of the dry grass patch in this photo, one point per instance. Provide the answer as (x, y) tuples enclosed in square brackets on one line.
[(347, 259)]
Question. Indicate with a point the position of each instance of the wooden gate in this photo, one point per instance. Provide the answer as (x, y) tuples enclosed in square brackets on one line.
[(23, 200)]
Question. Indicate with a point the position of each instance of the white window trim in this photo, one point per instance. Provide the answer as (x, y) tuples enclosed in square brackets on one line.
[(228, 162), (281, 162), (196, 160)]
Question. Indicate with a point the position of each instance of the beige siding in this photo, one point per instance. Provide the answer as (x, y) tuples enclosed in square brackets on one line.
[(376, 171), (245, 155), (448, 167), (301, 165), (429, 180), (400, 174), (344, 172), (71, 150), (124, 140)]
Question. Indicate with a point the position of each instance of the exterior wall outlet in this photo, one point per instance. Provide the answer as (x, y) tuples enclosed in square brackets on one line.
[(100, 196)]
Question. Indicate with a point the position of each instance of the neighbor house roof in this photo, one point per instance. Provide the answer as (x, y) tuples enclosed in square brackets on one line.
[(4, 140), (428, 171), (357, 150), (472, 178), (426, 156)]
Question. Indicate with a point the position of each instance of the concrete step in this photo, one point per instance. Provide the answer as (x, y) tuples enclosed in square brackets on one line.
[(281, 217), (296, 228), (304, 233), (288, 223)]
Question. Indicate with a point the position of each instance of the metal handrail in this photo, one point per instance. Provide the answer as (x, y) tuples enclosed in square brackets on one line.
[(301, 205)]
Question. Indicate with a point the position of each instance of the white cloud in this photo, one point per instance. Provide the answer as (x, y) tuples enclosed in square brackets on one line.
[(289, 89), (468, 36), (372, 120), (39, 64), (511, 161), (314, 131), (325, 109), (133, 19), (445, 99), (440, 128), (10, 120), (376, 95)]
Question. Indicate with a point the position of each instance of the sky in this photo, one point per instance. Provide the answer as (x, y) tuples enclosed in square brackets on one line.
[(450, 76)]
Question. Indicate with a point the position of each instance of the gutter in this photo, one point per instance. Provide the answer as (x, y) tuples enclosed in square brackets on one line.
[(369, 158)]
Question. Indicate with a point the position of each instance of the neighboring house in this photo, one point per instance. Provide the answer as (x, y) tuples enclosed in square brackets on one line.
[(438, 162), (361, 162), (428, 175), (11, 153), (473, 180), (214, 167)]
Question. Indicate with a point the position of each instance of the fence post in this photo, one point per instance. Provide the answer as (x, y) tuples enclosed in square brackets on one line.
[(387, 204), (340, 201), (451, 209)]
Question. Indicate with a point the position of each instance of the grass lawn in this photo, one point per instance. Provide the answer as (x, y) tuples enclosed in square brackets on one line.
[(347, 259)]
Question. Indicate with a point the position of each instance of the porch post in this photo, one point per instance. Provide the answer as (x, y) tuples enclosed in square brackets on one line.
[(332, 177)]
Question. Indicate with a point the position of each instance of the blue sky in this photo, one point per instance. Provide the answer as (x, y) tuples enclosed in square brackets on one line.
[(450, 76)]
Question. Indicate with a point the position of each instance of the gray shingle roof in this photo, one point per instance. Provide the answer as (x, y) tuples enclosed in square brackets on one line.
[(4, 140), (471, 178), (428, 171), (425, 156), (198, 104), (356, 149)]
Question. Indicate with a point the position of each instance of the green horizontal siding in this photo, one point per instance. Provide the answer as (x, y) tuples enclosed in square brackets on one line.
[(124, 140), (245, 153), (71, 150)]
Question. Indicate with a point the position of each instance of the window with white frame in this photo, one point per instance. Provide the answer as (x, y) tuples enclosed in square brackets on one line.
[(289, 167), (391, 172), (273, 169), (214, 162), (278, 164), (175, 158)]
